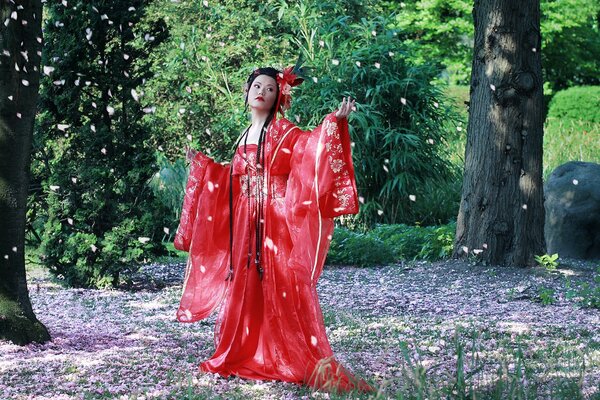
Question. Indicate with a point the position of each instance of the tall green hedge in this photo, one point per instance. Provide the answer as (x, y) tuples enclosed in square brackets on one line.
[(94, 149), (579, 103)]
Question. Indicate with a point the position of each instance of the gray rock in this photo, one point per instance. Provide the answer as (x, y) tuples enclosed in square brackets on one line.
[(572, 203)]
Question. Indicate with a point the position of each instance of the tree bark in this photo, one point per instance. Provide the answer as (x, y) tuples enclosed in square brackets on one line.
[(501, 216), (20, 50)]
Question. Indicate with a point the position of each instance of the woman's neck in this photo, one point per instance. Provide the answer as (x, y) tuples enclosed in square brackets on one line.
[(259, 118)]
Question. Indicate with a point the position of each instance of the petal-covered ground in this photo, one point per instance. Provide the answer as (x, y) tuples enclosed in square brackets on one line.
[(429, 330)]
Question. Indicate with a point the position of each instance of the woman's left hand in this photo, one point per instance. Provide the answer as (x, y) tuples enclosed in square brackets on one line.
[(346, 108)]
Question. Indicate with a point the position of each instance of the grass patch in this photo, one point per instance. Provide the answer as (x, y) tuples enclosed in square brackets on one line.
[(567, 140)]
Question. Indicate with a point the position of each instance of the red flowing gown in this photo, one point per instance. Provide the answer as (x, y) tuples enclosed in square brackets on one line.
[(270, 328)]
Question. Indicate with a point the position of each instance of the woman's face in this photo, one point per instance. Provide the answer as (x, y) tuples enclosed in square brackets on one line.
[(262, 93)]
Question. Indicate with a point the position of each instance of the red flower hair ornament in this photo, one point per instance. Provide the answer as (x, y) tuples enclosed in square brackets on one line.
[(286, 80)]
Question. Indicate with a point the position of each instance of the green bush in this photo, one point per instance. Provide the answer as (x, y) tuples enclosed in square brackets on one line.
[(398, 131), (385, 244), (580, 103), (401, 119), (168, 184), (417, 242), (94, 149), (198, 92), (362, 249)]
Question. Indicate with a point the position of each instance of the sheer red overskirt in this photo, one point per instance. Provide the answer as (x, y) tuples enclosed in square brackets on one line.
[(271, 328)]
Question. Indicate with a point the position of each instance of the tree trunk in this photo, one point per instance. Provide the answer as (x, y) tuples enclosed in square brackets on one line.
[(20, 51), (501, 217)]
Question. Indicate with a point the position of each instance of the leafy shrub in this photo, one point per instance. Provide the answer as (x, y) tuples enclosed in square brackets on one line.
[(546, 296), (353, 248), (550, 262), (402, 118), (385, 244), (168, 184), (580, 103), (416, 242), (198, 93), (94, 152)]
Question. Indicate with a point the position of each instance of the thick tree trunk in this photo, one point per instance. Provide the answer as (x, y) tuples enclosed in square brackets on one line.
[(501, 213), (20, 49)]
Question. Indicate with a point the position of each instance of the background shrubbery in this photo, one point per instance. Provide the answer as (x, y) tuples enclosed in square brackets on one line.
[(389, 243), (579, 103), (172, 75), (402, 117), (94, 150)]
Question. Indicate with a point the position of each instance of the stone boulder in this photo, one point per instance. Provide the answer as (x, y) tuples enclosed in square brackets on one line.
[(572, 202)]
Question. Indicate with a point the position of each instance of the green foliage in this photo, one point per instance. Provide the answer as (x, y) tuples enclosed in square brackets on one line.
[(402, 119), (546, 296), (443, 30), (198, 95), (352, 248), (580, 103), (169, 184), (94, 152), (440, 30), (572, 129), (588, 294), (547, 261), (417, 242), (385, 244), (571, 43)]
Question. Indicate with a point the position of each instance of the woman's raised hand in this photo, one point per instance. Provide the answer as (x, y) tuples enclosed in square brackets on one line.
[(190, 153), (346, 108)]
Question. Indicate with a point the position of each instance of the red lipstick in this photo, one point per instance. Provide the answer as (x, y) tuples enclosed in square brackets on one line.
[(260, 98)]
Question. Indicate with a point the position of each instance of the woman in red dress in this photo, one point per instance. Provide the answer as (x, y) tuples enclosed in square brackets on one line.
[(257, 231)]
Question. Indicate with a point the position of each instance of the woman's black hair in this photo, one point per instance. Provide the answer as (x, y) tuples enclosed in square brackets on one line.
[(260, 160)]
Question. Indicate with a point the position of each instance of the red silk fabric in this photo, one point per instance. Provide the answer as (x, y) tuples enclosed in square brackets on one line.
[(272, 328)]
